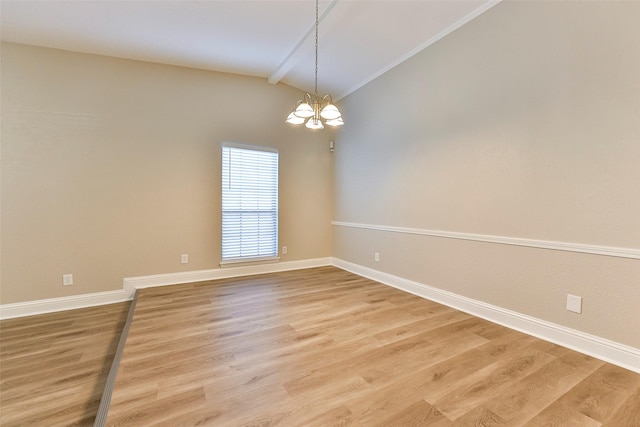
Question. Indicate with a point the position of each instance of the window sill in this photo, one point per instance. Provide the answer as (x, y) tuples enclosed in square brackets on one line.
[(252, 261)]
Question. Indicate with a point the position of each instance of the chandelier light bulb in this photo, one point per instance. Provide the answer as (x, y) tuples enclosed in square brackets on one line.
[(304, 110), (335, 122), (294, 119), (314, 123), (330, 112)]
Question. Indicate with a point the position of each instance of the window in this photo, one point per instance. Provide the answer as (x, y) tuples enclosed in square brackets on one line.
[(249, 203)]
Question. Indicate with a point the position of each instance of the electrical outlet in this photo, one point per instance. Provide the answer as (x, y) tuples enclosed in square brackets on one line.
[(574, 303), (284, 250), (184, 258), (67, 279), (376, 257)]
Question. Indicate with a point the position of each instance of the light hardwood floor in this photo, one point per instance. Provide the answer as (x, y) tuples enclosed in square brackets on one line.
[(53, 367), (319, 347), (324, 347)]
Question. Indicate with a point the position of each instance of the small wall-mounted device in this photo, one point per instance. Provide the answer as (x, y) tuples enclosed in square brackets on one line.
[(574, 303), (331, 146), (67, 279)]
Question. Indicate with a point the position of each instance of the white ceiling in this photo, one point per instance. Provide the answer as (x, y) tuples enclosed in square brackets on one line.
[(274, 39)]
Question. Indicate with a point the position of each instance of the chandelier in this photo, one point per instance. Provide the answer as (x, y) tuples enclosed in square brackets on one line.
[(313, 110)]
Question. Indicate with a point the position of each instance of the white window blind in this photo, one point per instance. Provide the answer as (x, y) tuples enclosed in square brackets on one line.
[(249, 203)]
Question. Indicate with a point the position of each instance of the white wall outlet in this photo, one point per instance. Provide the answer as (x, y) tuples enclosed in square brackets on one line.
[(574, 303), (67, 279), (284, 250), (184, 258), (376, 257)]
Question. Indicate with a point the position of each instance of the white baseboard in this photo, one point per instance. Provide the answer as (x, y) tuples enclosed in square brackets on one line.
[(133, 283), (30, 308), (130, 284), (601, 348)]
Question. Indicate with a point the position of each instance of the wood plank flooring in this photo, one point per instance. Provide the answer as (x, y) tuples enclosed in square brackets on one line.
[(323, 347), (316, 347), (53, 367)]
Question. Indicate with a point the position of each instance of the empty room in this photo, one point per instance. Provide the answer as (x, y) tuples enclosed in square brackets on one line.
[(320, 213)]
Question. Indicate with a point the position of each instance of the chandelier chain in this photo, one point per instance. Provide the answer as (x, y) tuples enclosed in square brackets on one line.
[(316, 74), (312, 110)]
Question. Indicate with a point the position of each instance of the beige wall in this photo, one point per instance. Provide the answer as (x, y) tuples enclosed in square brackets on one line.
[(524, 123), (111, 169)]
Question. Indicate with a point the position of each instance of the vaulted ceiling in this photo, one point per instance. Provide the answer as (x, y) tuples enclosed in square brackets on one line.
[(274, 39)]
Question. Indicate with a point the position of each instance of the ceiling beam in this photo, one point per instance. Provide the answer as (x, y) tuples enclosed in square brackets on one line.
[(297, 51)]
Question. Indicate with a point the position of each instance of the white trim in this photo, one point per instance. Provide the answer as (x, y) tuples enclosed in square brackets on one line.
[(130, 284), (601, 348), (30, 308), (133, 283), (503, 240), (450, 29)]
